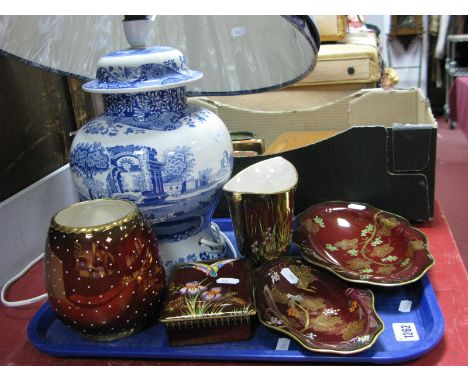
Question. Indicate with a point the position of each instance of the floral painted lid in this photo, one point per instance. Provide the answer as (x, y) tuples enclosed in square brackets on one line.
[(141, 69), (214, 290)]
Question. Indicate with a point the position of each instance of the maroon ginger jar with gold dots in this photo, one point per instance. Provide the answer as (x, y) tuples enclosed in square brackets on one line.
[(103, 272)]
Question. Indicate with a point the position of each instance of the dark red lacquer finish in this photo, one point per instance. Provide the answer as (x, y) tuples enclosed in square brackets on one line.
[(262, 223), (318, 310), (362, 244), (209, 302), (107, 284)]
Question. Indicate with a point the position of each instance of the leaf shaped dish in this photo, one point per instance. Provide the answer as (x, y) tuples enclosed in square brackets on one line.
[(361, 243), (318, 310)]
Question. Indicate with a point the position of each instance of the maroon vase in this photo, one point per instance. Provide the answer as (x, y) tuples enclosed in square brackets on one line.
[(103, 272), (261, 204)]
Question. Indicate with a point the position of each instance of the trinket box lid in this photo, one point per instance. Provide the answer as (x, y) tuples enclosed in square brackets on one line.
[(141, 69), (212, 290)]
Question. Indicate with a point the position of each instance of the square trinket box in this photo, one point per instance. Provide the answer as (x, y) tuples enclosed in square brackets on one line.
[(209, 302)]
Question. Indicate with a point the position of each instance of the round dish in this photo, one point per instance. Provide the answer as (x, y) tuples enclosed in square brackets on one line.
[(361, 243)]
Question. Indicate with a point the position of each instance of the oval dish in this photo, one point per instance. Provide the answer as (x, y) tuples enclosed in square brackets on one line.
[(318, 310), (361, 243)]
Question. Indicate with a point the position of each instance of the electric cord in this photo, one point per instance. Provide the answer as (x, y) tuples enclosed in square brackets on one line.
[(224, 240), (16, 277)]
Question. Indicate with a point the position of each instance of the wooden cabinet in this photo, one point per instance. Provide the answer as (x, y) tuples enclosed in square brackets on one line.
[(38, 111)]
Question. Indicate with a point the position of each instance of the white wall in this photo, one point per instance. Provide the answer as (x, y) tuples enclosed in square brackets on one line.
[(393, 52)]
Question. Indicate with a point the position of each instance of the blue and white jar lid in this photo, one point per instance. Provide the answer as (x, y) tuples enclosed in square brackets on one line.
[(140, 70)]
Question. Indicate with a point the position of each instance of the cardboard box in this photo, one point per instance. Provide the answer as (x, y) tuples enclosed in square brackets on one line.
[(25, 219), (383, 152)]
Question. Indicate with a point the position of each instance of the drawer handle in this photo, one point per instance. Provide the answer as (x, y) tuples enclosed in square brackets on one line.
[(351, 70)]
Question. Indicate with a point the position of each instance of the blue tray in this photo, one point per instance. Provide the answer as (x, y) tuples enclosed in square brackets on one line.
[(51, 336)]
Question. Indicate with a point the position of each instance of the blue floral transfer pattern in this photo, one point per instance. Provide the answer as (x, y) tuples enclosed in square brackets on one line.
[(177, 64), (193, 257), (161, 110), (144, 105), (136, 77), (179, 164), (195, 116), (89, 159), (103, 126), (134, 52), (155, 182)]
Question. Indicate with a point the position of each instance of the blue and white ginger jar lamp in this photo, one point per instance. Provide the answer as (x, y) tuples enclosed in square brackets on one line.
[(151, 147)]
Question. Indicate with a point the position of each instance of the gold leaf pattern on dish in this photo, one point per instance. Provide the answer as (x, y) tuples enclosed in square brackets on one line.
[(352, 329), (385, 269), (293, 312), (324, 323), (308, 251), (382, 250), (310, 226), (304, 274), (405, 262), (416, 245), (386, 225), (313, 304), (353, 305), (279, 296), (346, 244), (356, 264)]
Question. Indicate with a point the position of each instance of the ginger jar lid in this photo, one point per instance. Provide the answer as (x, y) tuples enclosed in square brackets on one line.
[(136, 70)]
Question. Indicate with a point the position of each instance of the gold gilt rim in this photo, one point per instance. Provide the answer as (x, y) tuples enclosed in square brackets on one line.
[(242, 193), (325, 350), (97, 228), (421, 273), (223, 316)]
